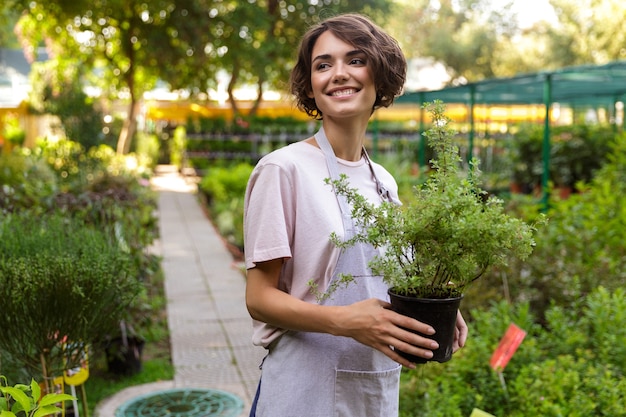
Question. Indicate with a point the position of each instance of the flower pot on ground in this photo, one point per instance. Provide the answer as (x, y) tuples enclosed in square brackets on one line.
[(124, 352), (443, 239)]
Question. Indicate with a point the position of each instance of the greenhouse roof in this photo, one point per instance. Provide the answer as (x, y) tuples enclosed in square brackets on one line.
[(581, 85)]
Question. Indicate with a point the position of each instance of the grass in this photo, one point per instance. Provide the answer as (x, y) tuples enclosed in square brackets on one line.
[(102, 384)]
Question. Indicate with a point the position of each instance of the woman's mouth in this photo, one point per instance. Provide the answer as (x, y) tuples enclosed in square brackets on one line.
[(343, 92)]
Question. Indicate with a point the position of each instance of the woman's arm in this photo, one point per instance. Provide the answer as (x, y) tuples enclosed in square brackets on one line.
[(370, 322)]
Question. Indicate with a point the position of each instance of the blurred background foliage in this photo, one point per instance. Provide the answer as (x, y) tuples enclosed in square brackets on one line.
[(104, 55), (116, 46)]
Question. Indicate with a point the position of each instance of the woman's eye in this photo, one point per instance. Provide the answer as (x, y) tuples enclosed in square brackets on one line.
[(323, 66), (358, 61)]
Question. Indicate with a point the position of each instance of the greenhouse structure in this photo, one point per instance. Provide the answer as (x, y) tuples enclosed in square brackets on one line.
[(588, 86)]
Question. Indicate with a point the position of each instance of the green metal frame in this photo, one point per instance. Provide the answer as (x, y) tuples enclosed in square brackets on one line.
[(590, 85)]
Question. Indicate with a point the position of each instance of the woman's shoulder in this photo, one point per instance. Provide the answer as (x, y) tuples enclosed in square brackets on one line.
[(292, 155)]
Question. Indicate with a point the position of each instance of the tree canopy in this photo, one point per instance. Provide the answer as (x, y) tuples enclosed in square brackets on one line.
[(124, 47), (475, 40), (130, 44)]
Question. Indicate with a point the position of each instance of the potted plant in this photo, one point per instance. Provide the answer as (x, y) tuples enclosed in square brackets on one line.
[(26, 400), (124, 352), (441, 241), (64, 284)]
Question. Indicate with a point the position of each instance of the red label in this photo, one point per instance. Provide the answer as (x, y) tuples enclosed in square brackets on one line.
[(507, 347)]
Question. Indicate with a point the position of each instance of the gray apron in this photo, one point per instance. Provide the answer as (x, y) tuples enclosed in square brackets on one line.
[(320, 375)]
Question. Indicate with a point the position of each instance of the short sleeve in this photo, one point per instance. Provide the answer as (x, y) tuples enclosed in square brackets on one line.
[(268, 215)]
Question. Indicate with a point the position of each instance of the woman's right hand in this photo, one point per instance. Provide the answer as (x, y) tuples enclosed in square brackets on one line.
[(372, 323)]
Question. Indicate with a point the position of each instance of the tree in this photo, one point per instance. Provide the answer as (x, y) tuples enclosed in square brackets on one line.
[(588, 32), (124, 44), (477, 39), (8, 18), (461, 34), (130, 44), (255, 41)]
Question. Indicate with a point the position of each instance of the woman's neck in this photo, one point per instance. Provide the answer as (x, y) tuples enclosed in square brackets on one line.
[(346, 139)]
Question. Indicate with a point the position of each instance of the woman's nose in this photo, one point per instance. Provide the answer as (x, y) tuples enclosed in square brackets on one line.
[(340, 72)]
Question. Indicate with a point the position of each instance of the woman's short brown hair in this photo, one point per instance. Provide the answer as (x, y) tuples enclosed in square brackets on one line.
[(385, 58)]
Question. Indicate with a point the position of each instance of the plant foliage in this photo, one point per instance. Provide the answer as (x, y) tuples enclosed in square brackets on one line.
[(447, 236), (26, 400), (573, 366), (224, 189), (582, 246), (64, 285)]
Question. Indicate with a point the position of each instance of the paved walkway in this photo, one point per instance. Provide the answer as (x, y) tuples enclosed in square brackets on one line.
[(210, 328)]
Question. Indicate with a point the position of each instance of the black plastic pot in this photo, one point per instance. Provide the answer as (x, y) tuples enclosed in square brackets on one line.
[(439, 313), (124, 355)]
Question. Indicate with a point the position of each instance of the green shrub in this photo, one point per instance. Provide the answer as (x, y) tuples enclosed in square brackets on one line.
[(100, 187), (147, 147), (576, 153), (575, 366), (224, 189), (572, 367), (568, 385), (177, 147), (26, 181), (64, 285), (581, 247), (12, 131)]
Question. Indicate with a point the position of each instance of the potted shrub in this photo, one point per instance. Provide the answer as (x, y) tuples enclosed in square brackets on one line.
[(64, 284), (441, 241)]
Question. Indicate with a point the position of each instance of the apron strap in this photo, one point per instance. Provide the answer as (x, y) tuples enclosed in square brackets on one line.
[(333, 169)]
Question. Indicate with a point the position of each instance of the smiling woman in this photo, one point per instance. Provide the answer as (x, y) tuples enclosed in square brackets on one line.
[(333, 357), (342, 85)]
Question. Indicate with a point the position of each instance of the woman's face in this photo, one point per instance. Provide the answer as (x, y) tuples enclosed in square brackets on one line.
[(341, 78)]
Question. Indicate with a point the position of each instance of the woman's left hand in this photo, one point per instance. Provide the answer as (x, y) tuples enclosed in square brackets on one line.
[(460, 333)]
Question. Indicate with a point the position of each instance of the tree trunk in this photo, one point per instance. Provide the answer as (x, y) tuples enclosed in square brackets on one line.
[(130, 123), (231, 88), (128, 128), (259, 98)]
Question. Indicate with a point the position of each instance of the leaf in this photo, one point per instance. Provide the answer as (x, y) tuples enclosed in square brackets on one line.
[(46, 411), (20, 398), (35, 390), (55, 398), (4, 413)]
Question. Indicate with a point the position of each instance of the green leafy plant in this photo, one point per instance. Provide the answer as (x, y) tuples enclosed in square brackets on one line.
[(577, 152), (224, 190), (573, 365), (64, 285), (26, 400), (447, 236), (581, 247)]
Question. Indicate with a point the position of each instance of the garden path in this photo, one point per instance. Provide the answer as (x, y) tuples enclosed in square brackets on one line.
[(210, 329)]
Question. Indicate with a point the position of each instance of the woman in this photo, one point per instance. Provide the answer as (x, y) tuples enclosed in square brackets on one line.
[(334, 358)]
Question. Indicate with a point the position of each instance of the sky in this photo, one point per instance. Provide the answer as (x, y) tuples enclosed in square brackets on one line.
[(531, 11)]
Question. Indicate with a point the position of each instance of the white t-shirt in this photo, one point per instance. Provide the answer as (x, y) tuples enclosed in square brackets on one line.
[(290, 213)]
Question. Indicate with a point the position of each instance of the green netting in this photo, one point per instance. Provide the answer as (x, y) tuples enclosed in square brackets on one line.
[(582, 85)]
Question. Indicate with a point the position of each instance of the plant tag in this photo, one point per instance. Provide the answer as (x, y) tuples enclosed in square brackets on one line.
[(507, 347), (480, 413)]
